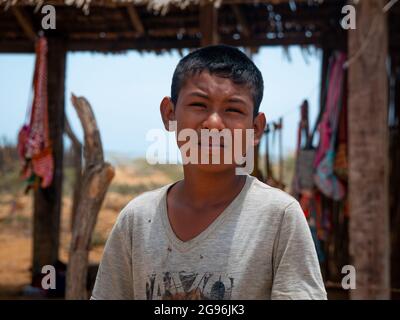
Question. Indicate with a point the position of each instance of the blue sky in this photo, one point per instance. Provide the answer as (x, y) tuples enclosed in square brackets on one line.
[(125, 91)]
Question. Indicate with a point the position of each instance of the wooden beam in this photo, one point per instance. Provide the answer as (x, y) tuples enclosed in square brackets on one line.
[(128, 35), (135, 19), (368, 152), (208, 18), (115, 4), (241, 19), (293, 38), (47, 202), (274, 2), (16, 46), (24, 22), (130, 44), (112, 44)]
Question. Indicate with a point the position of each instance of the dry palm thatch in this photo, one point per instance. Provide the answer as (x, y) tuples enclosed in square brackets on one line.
[(155, 5), (160, 6)]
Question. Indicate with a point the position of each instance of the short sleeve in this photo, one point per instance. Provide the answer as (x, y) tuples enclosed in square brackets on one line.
[(297, 273), (114, 280)]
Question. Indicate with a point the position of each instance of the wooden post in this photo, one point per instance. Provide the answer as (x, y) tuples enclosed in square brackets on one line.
[(395, 175), (77, 154), (96, 178), (208, 23), (368, 152), (47, 202)]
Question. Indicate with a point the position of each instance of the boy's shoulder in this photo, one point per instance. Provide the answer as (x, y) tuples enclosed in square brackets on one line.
[(263, 195), (271, 205), (144, 203)]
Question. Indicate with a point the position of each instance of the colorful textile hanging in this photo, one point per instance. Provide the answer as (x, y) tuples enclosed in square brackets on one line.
[(320, 176), (325, 178), (341, 161), (34, 146)]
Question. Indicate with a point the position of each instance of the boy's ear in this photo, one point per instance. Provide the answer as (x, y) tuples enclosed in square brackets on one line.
[(167, 110), (259, 127)]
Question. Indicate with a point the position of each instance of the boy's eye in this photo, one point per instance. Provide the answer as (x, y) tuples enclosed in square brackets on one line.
[(198, 104), (234, 110)]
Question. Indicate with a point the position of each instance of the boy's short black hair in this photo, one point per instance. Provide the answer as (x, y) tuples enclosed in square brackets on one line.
[(223, 61)]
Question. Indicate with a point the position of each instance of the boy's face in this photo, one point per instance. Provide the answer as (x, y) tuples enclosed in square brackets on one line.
[(210, 102)]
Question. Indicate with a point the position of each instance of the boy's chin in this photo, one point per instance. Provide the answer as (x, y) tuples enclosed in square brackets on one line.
[(214, 168)]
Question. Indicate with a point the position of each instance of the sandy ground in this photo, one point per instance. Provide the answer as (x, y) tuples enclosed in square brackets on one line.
[(16, 227)]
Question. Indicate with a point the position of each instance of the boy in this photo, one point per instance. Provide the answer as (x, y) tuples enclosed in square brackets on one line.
[(215, 234)]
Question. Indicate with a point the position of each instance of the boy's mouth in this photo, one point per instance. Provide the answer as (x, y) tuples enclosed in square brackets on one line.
[(210, 145)]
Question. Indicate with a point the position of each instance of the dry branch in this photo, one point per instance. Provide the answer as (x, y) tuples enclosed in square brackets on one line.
[(96, 178)]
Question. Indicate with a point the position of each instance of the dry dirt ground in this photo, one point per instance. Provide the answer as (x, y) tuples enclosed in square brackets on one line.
[(16, 224)]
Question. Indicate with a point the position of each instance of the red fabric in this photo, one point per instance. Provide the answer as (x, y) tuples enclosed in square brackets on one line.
[(34, 144), (43, 166)]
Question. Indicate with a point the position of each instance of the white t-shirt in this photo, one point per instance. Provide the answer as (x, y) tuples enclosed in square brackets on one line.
[(260, 247)]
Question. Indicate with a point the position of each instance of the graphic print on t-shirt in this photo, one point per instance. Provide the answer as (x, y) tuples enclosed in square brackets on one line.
[(184, 285)]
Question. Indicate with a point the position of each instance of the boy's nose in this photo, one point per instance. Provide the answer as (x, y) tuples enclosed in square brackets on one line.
[(213, 121)]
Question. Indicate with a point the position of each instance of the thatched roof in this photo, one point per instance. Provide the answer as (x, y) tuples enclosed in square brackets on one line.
[(159, 25), (155, 5)]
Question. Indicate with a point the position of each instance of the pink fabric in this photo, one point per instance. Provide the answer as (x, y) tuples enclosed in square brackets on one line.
[(325, 178), (330, 117)]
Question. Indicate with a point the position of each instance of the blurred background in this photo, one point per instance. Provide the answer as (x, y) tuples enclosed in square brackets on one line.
[(331, 98)]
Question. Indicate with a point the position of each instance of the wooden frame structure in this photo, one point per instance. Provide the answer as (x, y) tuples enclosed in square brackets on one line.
[(113, 26), (117, 26)]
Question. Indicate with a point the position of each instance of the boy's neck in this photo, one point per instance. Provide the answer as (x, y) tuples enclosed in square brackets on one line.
[(200, 188)]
